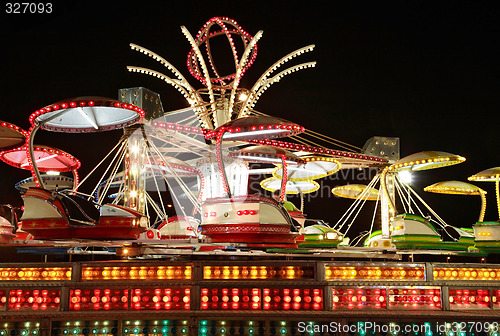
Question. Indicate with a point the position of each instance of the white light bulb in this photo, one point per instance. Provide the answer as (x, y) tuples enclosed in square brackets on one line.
[(405, 176)]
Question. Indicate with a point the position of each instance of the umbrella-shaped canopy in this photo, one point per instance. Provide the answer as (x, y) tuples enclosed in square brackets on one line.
[(50, 182), (315, 167), (266, 154), (255, 128), (292, 187), (490, 175), (459, 188), (355, 191), (47, 159), (86, 114), (11, 136), (426, 160), (455, 188)]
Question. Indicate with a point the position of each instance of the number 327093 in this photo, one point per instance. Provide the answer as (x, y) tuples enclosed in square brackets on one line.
[(28, 8)]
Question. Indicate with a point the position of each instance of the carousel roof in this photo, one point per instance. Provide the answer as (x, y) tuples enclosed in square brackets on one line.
[(455, 188), (86, 114), (426, 160)]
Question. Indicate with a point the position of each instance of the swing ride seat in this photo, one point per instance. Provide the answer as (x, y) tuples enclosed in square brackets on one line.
[(79, 210), (318, 234), (311, 222), (449, 234), (251, 219), (51, 215), (416, 232)]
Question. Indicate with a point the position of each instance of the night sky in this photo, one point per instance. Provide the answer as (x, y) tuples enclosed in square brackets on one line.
[(424, 71)]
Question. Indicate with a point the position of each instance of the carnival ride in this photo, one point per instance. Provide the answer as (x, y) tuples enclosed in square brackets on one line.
[(176, 186), (200, 159), (418, 226), (50, 213)]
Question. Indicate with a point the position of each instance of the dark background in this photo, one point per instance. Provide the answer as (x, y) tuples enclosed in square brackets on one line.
[(424, 71)]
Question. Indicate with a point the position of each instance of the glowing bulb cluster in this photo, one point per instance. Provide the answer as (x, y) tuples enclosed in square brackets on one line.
[(161, 76), (292, 299), (418, 298), (434, 162), (136, 273), (375, 273), (154, 327), (14, 127), (11, 157), (35, 273), (81, 103), (469, 298), (160, 299), (180, 128), (230, 298), (34, 299), (204, 35), (359, 298), (98, 299), (159, 59), (257, 272), (464, 273), (454, 190)]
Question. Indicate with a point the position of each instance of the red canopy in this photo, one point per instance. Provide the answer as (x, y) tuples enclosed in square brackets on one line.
[(47, 159), (255, 128), (11, 136)]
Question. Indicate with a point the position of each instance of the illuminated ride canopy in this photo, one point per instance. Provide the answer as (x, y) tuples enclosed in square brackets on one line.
[(490, 175), (292, 187), (47, 159), (66, 215), (11, 136), (356, 191), (85, 115), (80, 115), (488, 233), (426, 160), (459, 188), (313, 168)]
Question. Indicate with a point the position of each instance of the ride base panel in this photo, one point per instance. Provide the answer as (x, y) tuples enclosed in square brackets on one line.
[(245, 298)]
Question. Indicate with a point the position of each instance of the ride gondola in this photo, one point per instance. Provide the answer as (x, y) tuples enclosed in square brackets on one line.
[(65, 214)]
